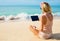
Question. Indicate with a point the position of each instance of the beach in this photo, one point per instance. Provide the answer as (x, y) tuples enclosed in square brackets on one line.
[(19, 31)]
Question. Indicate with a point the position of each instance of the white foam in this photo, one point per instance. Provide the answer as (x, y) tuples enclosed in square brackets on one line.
[(10, 17), (22, 16)]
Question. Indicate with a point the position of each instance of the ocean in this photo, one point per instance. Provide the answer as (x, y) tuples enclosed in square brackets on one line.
[(15, 10)]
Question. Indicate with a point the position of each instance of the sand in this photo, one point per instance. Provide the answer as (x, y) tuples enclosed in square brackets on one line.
[(19, 31)]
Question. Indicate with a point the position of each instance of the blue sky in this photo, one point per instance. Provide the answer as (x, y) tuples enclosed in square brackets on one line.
[(28, 2)]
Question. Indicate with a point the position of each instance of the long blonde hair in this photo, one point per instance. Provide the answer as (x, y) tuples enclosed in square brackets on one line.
[(46, 7)]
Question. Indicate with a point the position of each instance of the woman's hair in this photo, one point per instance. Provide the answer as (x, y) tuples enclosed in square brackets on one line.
[(46, 7)]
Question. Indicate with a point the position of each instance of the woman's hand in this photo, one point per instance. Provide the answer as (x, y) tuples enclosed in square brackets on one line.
[(33, 26)]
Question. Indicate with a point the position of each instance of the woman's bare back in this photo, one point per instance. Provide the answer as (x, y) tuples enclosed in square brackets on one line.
[(50, 16), (44, 18)]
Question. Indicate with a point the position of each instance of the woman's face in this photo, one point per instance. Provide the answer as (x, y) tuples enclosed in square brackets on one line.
[(41, 5)]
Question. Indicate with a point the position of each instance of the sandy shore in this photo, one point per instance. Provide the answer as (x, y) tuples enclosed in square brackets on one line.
[(19, 31)]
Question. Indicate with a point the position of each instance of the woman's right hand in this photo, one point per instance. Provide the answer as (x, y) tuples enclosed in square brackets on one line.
[(33, 26)]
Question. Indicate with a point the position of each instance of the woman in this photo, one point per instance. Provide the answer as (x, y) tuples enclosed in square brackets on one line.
[(46, 22)]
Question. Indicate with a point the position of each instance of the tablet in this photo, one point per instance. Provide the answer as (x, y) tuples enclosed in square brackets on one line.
[(35, 18)]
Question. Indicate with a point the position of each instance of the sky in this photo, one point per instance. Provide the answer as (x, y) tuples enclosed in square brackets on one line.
[(28, 2)]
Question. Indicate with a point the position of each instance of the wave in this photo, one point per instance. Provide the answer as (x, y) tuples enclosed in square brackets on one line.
[(20, 16), (23, 16)]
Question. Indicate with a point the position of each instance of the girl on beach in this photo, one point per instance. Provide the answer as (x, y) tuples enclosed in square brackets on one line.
[(46, 22)]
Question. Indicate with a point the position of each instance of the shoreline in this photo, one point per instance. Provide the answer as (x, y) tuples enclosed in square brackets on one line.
[(22, 17)]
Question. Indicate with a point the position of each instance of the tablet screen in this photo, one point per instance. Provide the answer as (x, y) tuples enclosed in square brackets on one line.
[(35, 18)]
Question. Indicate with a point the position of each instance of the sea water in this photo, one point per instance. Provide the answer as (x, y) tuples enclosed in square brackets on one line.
[(15, 10)]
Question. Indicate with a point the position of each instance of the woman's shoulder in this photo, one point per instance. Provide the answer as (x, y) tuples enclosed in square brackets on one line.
[(43, 19), (43, 16)]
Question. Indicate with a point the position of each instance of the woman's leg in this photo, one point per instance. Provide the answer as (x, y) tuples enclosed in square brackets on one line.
[(34, 30)]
